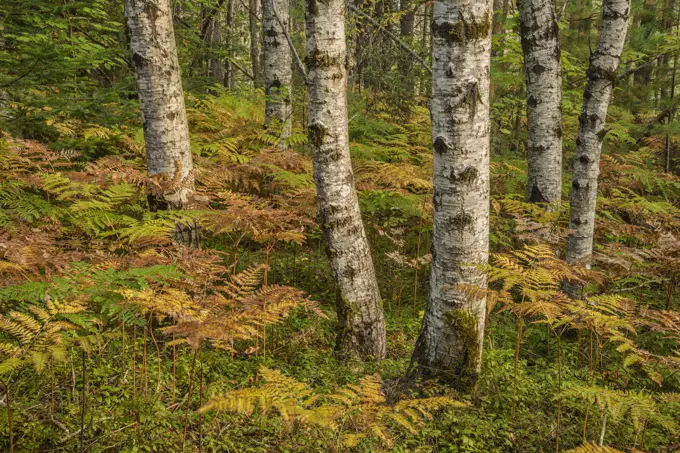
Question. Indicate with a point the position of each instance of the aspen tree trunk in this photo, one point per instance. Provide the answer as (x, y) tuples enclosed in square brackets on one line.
[(278, 71), (451, 338), (601, 77), (159, 83), (254, 22), (540, 43), (362, 323)]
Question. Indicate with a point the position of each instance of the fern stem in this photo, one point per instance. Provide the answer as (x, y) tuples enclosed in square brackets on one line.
[(200, 414), (174, 367), (144, 381), (52, 388), (603, 430), (264, 333), (585, 423), (559, 389), (9, 418), (83, 405), (518, 343), (590, 355), (186, 412), (134, 362), (158, 354), (671, 288), (122, 339), (415, 278)]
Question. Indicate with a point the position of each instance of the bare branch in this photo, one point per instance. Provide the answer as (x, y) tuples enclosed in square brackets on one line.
[(391, 35)]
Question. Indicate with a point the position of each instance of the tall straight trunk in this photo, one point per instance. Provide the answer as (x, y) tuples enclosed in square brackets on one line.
[(228, 70), (540, 43), (214, 41), (667, 159), (278, 69), (362, 323), (591, 131), (159, 83), (407, 21), (452, 334), (254, 21)]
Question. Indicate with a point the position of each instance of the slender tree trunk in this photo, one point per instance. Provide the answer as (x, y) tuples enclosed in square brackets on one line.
[(407, 21), (540, 43), (601, 77), (278, 69), (451, 338), (667, 159), (213, 40), (362, 324), (228, 70), (159, 83), (254, 21)]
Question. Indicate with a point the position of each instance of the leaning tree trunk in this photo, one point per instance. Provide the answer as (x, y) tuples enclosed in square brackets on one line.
[(540, 42), (601, 77), (159, 83), (255, 41), (278, 71), (359, 306), (450, 341)]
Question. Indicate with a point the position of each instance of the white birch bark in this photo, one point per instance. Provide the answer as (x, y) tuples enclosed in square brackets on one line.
[(159, 83), (601, 78), (278, 71), (451, 338), (362, 324), (540, 43)]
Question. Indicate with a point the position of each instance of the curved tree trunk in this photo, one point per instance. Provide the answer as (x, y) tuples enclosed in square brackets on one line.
[(601, 77), (254, 21), (278, 71), (540, 42), (359, 306), (451, 338), (159, 83)]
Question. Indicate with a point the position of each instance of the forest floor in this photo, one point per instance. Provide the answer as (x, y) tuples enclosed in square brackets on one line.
[(120, 350)]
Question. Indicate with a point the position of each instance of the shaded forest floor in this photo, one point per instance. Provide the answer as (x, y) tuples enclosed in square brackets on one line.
[(132, 338)]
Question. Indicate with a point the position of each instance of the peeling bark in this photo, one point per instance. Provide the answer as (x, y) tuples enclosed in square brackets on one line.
[(451, 338), (540, 43), (278, 71), (159, 83), (362, 324), (601, 79)]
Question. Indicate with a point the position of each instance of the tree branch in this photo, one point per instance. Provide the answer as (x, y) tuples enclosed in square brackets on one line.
[(391, 35)]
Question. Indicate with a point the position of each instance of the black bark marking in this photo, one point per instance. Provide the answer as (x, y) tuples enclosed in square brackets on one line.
[(535, 196), (538, 69), (138, 60), (461, 221), (468, 175), (532, 101), (316, 134), (463, 31), (440, 146)]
